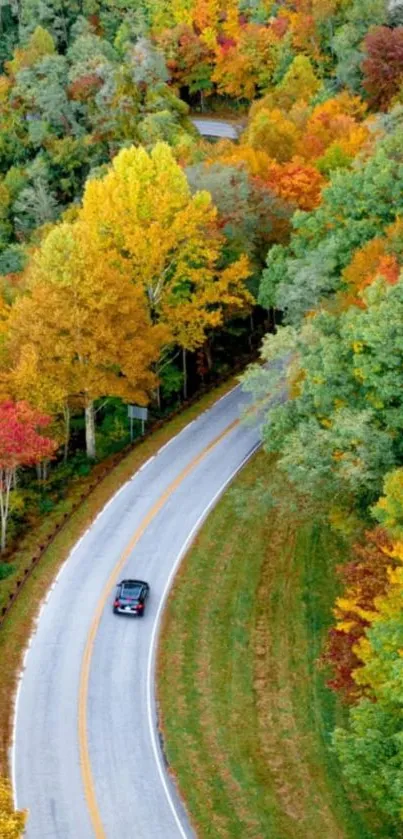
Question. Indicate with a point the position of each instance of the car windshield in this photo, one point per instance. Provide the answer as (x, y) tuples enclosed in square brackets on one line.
[(131, 592)]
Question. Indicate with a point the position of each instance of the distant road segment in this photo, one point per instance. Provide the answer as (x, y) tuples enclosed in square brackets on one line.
[(217, 128)]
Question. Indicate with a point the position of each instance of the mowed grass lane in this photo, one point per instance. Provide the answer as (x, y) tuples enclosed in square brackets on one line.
[(245, 713)]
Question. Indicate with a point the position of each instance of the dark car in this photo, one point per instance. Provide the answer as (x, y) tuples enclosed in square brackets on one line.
[(130, 598)]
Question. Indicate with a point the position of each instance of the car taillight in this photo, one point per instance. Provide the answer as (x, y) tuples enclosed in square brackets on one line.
[(140, 606), (116, 603)]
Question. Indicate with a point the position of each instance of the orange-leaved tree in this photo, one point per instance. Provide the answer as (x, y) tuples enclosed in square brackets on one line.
[(380, 257), (256, 162), (84, 331), (296, 183), (336, 121), (246, 60)]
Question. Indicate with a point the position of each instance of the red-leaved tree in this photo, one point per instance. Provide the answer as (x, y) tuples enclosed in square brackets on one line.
[(383, 65), (296, 182), (21, 444), (365, 578)]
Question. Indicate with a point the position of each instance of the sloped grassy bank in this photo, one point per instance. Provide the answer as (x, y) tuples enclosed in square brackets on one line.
[(245, 712)]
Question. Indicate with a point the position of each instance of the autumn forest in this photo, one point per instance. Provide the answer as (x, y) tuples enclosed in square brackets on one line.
[(138, 260)]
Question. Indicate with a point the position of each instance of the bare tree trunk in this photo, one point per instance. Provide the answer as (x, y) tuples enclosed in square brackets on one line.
[(185, 374), (3, 532), (251, 330), (41, 472), (209, 355), (157, 367), (6, 479), (18, 7), (65, 32), (90, 430), (66, 412), (271, 319)]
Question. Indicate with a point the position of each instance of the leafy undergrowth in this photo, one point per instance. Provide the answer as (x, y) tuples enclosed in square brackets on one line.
[(245, 712), (18, 625)]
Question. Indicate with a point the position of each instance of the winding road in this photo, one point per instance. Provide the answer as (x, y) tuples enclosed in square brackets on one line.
[(86, 758)]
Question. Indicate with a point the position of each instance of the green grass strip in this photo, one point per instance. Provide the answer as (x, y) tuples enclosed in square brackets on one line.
[(245, 712)]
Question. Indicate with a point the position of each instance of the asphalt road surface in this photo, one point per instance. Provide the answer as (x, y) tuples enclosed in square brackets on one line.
[(216, 128), (86, 757)]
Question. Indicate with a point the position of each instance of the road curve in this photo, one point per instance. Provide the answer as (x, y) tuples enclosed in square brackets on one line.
[(216, 128), (102, 713)]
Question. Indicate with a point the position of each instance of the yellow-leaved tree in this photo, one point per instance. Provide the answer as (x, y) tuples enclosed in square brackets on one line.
[(168, 242), (11, 821), (83, 330)]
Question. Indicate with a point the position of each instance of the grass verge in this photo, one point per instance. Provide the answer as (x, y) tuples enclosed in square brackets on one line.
[(245, 713), (18, 625)]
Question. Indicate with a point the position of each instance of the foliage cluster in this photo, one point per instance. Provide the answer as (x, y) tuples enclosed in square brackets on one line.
[(11, 822), (139, 272), (334, 370), (92, 317), (84, 79)]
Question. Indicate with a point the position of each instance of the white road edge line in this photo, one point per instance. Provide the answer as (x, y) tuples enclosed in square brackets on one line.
[(13, 772), (165, 446), (227, 394), (151, 710), (147, 463), (182, 431), (189, 425)]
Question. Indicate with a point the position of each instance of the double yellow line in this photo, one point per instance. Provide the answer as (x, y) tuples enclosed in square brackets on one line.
[(88, 780)]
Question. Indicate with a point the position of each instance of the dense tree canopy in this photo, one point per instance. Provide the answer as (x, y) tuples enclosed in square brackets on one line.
[(357, 206), (168, 240), (83, 331)]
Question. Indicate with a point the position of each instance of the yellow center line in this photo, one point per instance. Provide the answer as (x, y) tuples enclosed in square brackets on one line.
[(86, 771)]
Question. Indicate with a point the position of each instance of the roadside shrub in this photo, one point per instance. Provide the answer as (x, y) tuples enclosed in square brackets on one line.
[(5, 570)]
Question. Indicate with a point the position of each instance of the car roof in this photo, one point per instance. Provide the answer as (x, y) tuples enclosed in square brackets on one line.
[(130, 583)]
